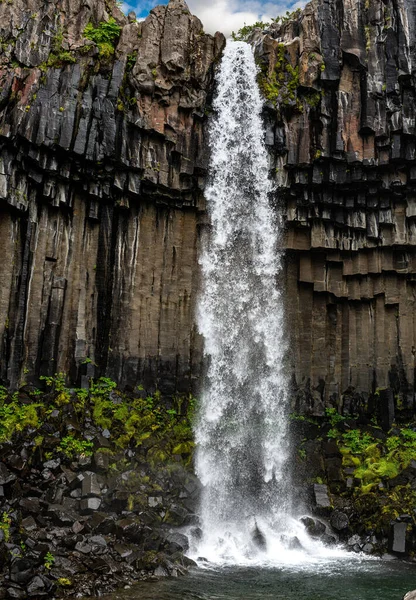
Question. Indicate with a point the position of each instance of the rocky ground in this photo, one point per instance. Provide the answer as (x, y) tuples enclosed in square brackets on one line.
[(359, 476), (96, 484), (92, 490)]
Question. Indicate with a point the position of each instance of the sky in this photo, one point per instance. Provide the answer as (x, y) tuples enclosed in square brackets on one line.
[(224, 15)]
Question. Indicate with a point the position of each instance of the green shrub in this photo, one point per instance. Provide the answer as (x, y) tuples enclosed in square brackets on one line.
[(72, 447), (105, 36), (15, 417), (244, 33)]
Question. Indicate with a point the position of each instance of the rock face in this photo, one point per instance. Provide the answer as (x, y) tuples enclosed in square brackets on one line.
[(103, 164), (103, 159), (341, 123)]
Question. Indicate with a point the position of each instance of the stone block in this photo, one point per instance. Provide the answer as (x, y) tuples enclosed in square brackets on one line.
[(397, 538)]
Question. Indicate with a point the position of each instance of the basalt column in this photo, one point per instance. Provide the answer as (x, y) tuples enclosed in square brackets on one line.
[(340, 88), (102, 167)]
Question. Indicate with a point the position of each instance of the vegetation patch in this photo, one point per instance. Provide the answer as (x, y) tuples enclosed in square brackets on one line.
[(280, 85), (244, 34), (381, 466), (161, 431), (105, 35)]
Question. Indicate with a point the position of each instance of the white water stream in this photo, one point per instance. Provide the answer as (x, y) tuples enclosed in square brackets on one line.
[(242, 427)]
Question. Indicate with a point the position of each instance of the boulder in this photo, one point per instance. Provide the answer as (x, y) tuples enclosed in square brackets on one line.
[(339, 520), (89, 505), (90, 486), (397, 538), (314, 527), (5, 475), (321, 496)]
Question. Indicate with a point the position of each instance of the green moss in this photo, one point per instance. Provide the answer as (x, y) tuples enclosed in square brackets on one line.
[(160, 430), (15, 417), (5, 522), (72, 447), (280, 86), (105, 35), (58, 56), (312, 98)]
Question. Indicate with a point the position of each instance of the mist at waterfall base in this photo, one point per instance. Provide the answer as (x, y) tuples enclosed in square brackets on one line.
[(241, 432)]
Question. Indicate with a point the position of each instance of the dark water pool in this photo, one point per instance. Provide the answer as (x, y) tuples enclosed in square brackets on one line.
[(338, 580)]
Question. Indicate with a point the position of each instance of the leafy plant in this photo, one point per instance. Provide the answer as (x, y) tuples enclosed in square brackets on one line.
[(49, 560), (105, 36), (244, 33), (15, 417), (357, 441), (72, 447), (5, 523)]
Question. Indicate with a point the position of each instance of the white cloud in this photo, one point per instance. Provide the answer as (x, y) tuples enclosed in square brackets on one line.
[(226, 15), (231, 15)]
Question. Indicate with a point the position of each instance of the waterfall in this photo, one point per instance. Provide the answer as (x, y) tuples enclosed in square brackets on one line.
[(241, 432)]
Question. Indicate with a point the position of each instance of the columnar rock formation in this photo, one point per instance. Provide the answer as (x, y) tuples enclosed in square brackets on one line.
[(340, 82), (103, 165), (103, 158)]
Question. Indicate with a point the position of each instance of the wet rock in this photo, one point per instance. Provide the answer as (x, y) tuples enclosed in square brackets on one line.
[(101, 461), (354, 540), (124, 550), (329, 540), (177, 541), (39, 586), (90, 486), (5, 475), (83, 547), (294, 544), (162, 571), (30, 505), (321, 494), (131, 529), (52, 464), (61, 516), (259, 538), (410, 596), (29, 524), (21, 570), (16, 593), (314, 527), (339, 520), (89, 505), (102, 523), (176, 515), (387, 408)]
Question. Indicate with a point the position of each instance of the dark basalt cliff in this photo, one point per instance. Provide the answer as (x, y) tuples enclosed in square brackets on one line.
[(103, 159), (343, 77), (103, 165)]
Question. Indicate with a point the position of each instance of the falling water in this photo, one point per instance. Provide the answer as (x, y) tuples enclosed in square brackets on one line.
[(242, 428)]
